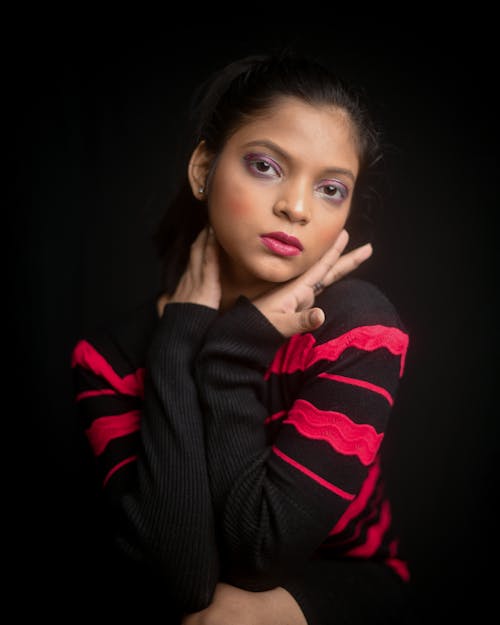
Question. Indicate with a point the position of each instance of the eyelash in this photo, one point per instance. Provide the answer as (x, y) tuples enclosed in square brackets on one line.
[(252, 160), (339, 188)]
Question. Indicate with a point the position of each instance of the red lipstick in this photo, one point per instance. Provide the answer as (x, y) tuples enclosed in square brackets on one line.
[(282, 244)]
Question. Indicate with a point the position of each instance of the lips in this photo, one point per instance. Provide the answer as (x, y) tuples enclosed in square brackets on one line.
[(282, 244)]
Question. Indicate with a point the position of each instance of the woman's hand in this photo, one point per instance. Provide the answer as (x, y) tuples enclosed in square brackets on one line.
[(290, 307), (200, 283), (235, 606)]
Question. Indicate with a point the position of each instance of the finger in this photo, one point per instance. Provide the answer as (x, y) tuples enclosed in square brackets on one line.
[(331, 256), (340, 242), (197, 254), (348, 263), (309, 320), (198, 246), (210, 241), (319, 270), (211, 256)]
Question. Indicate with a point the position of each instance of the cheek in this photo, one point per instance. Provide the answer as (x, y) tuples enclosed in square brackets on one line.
[(232, 200), (237, 206), (326, 235)]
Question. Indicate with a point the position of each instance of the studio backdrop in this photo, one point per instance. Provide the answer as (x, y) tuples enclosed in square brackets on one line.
[(98, 128)]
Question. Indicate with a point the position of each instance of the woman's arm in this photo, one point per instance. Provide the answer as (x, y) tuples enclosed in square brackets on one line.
[(170, 512), (150, 451), (277, 502)]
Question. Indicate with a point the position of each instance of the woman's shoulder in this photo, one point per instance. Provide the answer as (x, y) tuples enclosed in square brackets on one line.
[(354, 302), (122, 340)]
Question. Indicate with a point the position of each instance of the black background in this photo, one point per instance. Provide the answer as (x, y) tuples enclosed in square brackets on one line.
[(97, 119)]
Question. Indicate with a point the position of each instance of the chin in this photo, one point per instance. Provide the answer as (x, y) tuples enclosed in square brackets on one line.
[(269, 271), (276, 275)]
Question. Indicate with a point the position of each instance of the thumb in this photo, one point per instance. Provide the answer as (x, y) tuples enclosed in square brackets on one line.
[(310, 319)]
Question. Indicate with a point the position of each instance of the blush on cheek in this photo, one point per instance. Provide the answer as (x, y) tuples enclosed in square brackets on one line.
[(326, 238), (231, 197), (238, 208), (239, 204)]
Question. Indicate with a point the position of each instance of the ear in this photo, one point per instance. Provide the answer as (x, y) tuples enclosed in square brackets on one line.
[(198, 168)]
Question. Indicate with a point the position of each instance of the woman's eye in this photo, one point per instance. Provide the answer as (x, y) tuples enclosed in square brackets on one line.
[(261, 166), (337, 192), (331, 190)]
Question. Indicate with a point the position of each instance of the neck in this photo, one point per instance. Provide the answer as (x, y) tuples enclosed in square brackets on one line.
[(236, 281), (228, 297)]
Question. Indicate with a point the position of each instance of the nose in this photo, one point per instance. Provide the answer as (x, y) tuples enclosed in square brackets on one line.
[(293, 207)]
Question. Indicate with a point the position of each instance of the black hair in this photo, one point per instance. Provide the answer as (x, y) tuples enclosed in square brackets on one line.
[(239, 92)]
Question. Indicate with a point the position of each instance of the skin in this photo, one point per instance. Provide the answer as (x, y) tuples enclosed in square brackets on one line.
[(245, 202), (242, 206), (313, 156)]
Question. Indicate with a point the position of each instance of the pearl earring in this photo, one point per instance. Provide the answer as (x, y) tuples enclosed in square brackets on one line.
[(201, 190)]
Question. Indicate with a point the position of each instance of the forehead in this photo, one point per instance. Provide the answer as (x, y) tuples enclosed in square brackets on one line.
[(320, 132)]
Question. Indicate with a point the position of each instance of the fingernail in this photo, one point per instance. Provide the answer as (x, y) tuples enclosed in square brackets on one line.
[(316, 317)]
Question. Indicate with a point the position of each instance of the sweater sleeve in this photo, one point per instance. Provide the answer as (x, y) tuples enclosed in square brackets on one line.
[(151, 454), (277, 500)]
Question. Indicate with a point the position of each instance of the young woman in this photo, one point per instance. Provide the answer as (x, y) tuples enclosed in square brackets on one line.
[(237, 418)]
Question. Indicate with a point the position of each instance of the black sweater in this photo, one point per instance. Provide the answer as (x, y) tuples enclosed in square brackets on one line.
[(230, 453)]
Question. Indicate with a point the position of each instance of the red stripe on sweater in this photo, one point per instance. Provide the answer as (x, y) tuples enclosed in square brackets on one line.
[(361, 501), (85, 355), (362, 383), (292, 355), (275, 416), (121, 464), (301, 351), (337, 429), (374, 535), (96, 393), (105, 429), (398, 565), (314, 476)]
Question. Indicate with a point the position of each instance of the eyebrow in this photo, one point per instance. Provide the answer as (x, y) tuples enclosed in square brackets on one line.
[(276, 148)]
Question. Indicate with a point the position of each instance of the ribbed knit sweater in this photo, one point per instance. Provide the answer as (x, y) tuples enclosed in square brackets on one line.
[(228, 452)]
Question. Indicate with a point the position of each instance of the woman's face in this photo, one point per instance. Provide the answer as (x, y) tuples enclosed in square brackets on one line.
[(281, 192)]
